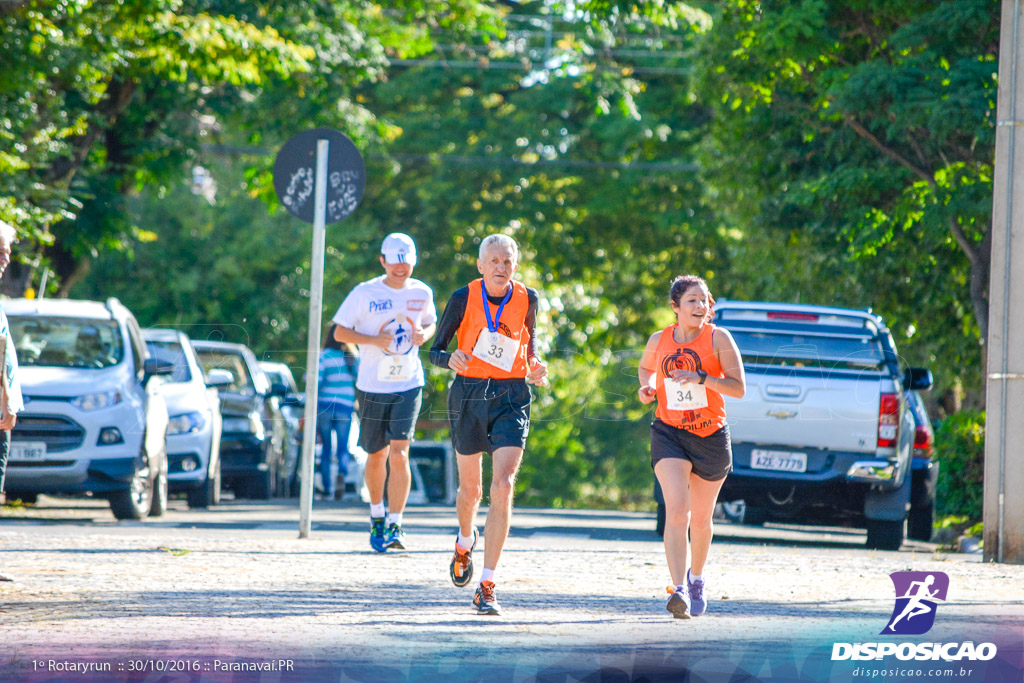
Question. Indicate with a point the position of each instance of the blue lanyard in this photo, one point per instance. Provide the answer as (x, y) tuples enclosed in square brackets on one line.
[(492, 325)]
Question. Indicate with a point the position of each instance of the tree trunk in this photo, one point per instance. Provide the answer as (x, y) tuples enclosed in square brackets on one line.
[(82, 268), (119, 96), (981, 259)]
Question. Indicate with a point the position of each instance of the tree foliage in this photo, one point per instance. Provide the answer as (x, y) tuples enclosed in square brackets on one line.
[(854, 143), (99, 99)]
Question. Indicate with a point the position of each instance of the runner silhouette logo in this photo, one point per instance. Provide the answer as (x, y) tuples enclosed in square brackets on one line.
[(917, 596)]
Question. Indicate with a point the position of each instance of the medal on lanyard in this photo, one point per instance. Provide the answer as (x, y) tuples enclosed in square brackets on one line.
[(492, 325)]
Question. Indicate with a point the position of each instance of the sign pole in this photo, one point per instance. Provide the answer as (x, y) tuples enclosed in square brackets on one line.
[(316, 287), (323, 165)]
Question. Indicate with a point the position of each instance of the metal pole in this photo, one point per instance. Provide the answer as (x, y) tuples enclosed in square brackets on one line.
[(316, 288), (1005, 356), (1003, 512)]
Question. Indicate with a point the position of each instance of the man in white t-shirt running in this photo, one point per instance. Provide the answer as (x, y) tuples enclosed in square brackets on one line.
[(389, 317)]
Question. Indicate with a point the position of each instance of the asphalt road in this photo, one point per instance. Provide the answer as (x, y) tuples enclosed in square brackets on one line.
[(582, 591)]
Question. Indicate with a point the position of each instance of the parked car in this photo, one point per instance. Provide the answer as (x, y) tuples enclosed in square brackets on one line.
[(925, 471), (825, 431), (282, 382), (252, 444), (194, 428), (95, 419)]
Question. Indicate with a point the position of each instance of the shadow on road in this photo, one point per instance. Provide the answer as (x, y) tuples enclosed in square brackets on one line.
[(347, 517)]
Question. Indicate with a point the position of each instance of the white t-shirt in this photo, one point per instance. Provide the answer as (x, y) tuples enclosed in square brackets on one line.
[(373, 307)]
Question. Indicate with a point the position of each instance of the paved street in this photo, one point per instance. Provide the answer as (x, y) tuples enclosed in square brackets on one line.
[(578, 588)]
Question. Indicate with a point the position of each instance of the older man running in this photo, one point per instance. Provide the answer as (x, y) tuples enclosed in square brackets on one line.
[(493, 318)]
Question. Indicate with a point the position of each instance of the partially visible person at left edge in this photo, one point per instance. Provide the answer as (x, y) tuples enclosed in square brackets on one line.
[(10, 397)]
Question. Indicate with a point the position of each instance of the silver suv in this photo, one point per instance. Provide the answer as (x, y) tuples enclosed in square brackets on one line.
[(94, 418)]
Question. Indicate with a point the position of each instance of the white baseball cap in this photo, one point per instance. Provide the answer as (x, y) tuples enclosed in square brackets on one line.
[(398, 248)]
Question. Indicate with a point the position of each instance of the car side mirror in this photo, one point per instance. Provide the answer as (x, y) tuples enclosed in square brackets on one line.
[(156, 366), (918, 378), (219, 378)]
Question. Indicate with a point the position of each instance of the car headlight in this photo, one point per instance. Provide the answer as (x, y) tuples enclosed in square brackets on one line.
[(184, 424), (246, 425), (101, 399)]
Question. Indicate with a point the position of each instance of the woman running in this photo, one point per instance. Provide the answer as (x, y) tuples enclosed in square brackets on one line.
[(688, 367)]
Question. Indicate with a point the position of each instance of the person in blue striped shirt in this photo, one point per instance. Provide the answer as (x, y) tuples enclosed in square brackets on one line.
[(336, 397)]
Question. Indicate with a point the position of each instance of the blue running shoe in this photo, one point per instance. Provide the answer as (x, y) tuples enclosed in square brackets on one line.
[(698, 603), (378, 534), (678, 602), (395, 537)]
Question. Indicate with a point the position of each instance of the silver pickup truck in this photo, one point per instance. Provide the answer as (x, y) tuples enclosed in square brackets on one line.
[(824, 433)]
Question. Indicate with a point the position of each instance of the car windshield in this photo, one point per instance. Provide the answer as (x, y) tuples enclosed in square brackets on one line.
[(172, 354), (241, 382), (66, 342), (792, 350)]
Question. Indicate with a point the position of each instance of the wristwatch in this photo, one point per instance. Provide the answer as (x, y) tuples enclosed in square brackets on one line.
[(703, 376)]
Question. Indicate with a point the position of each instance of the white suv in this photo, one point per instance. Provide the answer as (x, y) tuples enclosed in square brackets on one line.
[(94, 418), (193, 434)]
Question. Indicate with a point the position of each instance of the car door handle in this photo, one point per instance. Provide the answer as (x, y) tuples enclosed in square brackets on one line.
[(782, 390)]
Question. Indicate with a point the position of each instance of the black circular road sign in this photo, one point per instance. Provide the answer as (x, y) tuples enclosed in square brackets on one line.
[(295, 175)]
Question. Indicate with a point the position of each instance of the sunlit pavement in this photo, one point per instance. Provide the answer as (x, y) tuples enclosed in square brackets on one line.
[(236, 581)]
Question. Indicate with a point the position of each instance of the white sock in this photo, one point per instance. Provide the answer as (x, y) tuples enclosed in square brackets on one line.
[(694, 577), (465, 542), (377, 510), (487, 575), (395, 518)]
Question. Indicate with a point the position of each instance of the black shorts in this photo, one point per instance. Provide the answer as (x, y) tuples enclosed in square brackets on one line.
[(487, 414), (384, 418), (711, 455)]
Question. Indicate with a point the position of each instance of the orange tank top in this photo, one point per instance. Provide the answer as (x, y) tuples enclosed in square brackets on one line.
[(512, 324), (696, 355)]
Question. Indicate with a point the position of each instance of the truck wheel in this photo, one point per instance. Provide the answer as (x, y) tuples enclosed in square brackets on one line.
[(921, 522), (208, 494), (260, 486), (660, 524), (884, 534), (734, 510)]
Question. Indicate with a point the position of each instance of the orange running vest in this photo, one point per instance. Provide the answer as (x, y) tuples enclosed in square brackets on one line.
[(512, 324), (697, 355)]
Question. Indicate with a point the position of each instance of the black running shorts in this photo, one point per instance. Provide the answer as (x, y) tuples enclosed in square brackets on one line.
[(711, 455), (487, 414), (384, 418)]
